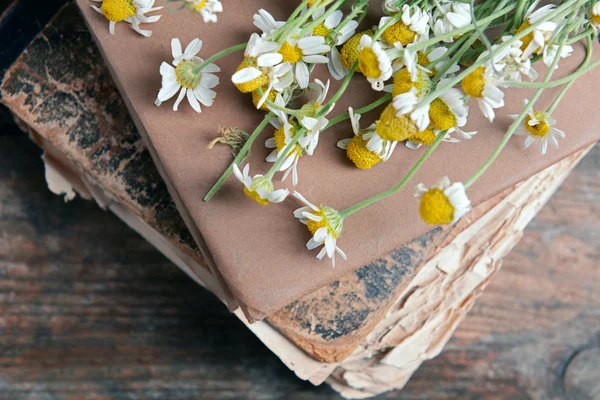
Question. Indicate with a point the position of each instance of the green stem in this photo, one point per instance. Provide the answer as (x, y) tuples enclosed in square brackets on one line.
[(363, 110), (272, 105), (240, 157), (462, 31), (509, 134), (349, 211), (564, 8), (290, 20), (215, 57), (319, 114), (309, 28), (566, 88)]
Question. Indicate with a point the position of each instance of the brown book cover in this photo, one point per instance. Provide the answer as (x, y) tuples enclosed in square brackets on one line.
[(63, 93), (259, 251), (91, 141)]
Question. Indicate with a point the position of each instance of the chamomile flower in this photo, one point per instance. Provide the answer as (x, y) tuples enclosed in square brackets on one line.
[(482, 84), (394, 126), (284, 135), (259, 188), (366, 148), (374, 62), (324, 224), (280, 77), (539, 127), (450, 16), (256, 70), (514, 65), (310, 118), (444, 203), (537, 41), (410, 87), (551, 51), (328, 29), (423, 58), (131, 11), (264, 21), (302, 52), (208, 9), (185, 79), (351, 50), (412, 28), (448, 111), (429, 135), (595, 17)]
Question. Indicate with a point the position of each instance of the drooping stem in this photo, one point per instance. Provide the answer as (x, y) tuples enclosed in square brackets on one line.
[(324, 109), (519, 120), (349, 211), (240, 157), (363, 110), (566, 88), (221, 54)]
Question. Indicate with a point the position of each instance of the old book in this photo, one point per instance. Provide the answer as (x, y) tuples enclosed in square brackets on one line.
[(65, 98), (262, 278)]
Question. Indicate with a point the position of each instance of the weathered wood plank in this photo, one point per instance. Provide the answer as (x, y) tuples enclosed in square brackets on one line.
[(89, 310)]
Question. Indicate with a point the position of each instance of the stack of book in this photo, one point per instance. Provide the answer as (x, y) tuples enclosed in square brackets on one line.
[(364, 327)]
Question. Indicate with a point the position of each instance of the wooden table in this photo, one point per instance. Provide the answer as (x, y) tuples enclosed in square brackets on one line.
[(88, 309)]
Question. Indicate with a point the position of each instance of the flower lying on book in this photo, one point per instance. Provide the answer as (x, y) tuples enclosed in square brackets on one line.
[(189, 76), (539, 127), (259, 188), (426, 61), (324, 224), (131, 11), (208, 9), (366, 148), (443, 204)]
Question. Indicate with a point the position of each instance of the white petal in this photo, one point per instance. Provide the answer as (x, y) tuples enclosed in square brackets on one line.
[(193, 48), (193, 101), (176, 48), (179, 99)]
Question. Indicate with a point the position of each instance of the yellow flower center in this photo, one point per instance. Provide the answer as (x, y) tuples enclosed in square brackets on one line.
[(595, 19), (441, 116), (291, 54), (368, 63), (527, 39), (423, 61), (399, 32), (255, 196), (435, 208), (349, 52), (254, 84), (118, 10), (360, 155), (259, 182), (397, 129), (281, 144), (200, 5), (474, 83), (539, 130), (256, 96), (427, 137), (184, 72), (314, 226), (321, 30), (403, 82)]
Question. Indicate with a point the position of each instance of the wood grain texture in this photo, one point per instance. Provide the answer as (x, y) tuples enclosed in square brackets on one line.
[(89, 310)]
